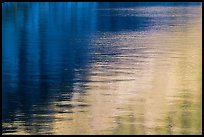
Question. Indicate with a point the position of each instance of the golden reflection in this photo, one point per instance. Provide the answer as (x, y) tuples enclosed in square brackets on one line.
[(157, 91), (154, 91)]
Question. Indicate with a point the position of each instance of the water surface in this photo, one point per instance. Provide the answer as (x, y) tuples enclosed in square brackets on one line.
[(101, 68)]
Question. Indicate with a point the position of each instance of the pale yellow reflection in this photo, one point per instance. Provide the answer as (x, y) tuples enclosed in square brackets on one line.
[(156, 91)]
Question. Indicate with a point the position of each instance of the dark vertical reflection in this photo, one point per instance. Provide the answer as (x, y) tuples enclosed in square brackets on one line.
[(59, 59), (51, 47)]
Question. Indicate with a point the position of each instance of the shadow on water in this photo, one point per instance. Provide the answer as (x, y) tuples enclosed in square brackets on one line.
[(47, 50)]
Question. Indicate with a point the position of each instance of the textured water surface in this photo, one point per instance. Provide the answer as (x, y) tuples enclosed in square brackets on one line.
[(101, 68)]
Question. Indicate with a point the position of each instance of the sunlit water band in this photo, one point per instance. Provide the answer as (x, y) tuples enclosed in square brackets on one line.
[(106, 70)]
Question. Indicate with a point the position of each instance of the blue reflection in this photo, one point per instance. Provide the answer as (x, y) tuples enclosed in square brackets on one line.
[(46, 44)]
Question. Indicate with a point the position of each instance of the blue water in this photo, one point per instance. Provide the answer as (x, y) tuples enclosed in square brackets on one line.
[(50, 51)]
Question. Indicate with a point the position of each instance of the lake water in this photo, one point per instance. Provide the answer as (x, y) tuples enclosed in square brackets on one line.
[(101, 68)]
